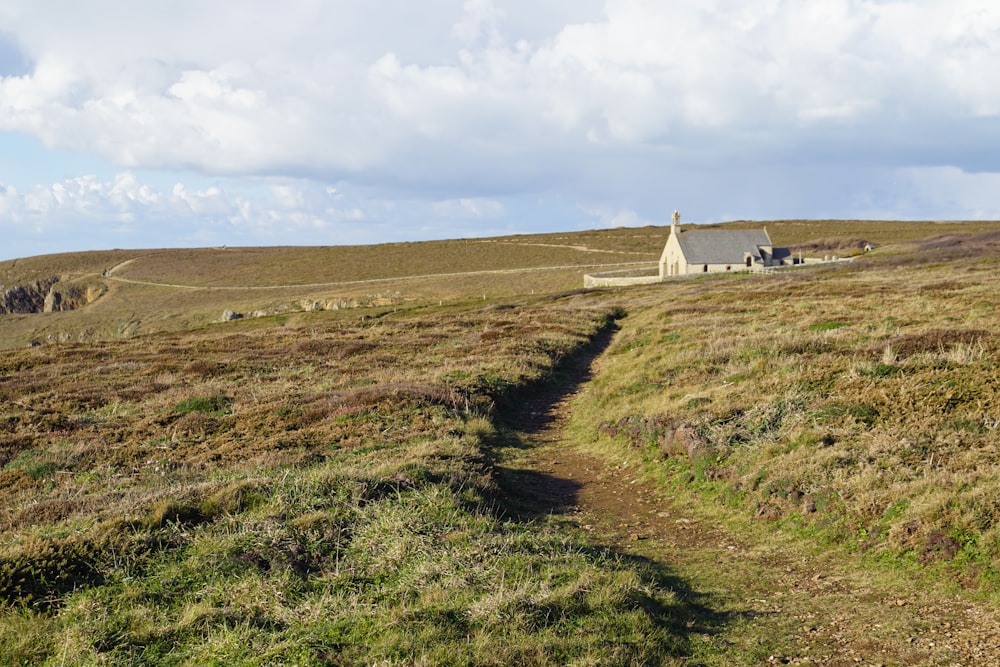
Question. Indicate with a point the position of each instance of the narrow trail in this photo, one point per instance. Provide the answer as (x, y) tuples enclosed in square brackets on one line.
[(764, 598), (110, 275)]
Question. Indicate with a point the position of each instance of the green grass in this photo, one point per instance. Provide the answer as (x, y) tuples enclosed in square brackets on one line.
[(412, 576), (878, 435), (34, 463), (303, 494), (212, 405), (315, 486)]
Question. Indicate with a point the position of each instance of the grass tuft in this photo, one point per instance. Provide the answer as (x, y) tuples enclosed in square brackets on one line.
[(217, 405)]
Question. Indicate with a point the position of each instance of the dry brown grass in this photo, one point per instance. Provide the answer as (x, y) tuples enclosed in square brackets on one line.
[(857, 403), (100, 423), (267, 492), (285, 281), (316, 481)]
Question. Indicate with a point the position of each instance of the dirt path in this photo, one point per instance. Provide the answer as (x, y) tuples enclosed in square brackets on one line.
[(110, 275), (783, 604)]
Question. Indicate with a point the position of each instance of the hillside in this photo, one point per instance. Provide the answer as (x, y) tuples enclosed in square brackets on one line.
[(119, 294), (856, 404), (320, 485)]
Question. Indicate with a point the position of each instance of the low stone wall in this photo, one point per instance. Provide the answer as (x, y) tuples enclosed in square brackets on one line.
[(622, 278), (649, 276)]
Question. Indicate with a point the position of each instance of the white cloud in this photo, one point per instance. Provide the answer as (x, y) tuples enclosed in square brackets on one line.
[(274, 91), (127, 211), (480, 21), (460, 107), (85, 203)]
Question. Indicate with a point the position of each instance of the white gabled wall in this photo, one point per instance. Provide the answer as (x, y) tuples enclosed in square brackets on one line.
[(672, 261)]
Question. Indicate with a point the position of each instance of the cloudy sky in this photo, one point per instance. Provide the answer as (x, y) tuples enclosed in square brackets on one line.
[(191, 123)]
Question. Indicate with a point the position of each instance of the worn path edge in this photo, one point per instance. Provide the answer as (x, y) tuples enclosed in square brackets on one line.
[(786, 601)]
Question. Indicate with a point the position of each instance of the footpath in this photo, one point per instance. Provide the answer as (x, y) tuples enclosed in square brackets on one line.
[(758, 598)]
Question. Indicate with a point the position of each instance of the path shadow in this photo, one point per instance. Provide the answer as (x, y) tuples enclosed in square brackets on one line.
[(527, 494), (530, 495), (533, 409)]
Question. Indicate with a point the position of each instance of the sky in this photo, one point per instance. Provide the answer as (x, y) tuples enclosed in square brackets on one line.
[(180, 123)]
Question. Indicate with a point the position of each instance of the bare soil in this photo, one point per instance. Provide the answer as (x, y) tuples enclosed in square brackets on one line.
[(758, 596)]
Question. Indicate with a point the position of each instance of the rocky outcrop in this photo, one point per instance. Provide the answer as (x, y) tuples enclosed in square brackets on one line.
[(25, 299), (47, 296)]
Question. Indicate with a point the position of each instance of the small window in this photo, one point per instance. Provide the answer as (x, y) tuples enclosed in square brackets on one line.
[(749, 260), (704, 268)]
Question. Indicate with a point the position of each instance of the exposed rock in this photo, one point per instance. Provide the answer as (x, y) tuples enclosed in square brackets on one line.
[(52, 301), (310, 305), (25, 299), (939, 547), (687, 440), (229, 316), (681, 439), (70, 298), (767, 512), (60, 337), (47, 296)]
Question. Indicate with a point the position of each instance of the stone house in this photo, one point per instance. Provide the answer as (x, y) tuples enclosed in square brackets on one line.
[(689, 252)]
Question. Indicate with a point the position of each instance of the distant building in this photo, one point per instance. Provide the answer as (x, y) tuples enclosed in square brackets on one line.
[(693, 251), (717, 251)]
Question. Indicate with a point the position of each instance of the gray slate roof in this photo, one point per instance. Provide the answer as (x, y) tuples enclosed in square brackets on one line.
[(722, 246), (781, 253)]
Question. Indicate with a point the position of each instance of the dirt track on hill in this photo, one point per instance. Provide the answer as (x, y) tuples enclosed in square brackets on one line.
[(782, 604), (109, 274)]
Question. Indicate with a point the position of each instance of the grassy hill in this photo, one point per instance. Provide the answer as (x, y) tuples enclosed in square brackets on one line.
[(856, 405), (317, 485), (137, 292), (269, 491)]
